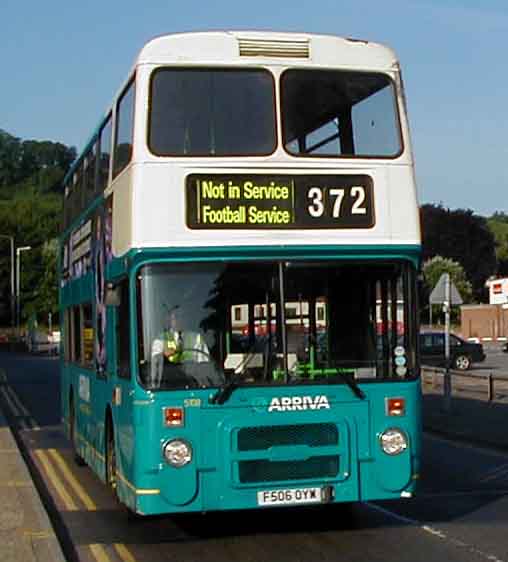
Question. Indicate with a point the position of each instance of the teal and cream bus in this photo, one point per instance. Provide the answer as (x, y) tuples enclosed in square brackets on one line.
[(252, 193)]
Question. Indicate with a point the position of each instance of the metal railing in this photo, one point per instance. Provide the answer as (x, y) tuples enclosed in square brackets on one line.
[(486, 386)]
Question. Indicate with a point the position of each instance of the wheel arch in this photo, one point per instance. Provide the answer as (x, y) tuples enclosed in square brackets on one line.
[(71, 404), (109, 426)]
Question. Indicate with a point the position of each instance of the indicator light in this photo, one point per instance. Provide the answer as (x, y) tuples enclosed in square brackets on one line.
[(173, 417), (395, 406)]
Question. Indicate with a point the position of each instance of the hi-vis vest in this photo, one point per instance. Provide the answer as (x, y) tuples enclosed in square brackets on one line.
[(189, 347), (173, 341)]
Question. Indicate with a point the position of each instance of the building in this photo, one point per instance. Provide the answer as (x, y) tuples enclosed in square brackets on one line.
[(488, 322)]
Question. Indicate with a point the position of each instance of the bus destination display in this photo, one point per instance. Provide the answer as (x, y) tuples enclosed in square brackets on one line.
[(243, 201)]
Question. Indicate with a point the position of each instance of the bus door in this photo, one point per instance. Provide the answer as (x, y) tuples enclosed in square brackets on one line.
[(122, 389)]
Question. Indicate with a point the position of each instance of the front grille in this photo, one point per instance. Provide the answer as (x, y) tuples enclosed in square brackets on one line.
[(312, 435), (267, 442), (267, 471)]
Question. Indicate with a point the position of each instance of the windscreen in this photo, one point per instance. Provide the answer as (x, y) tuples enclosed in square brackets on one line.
[(212, 112), (200, 325), (339, 113)]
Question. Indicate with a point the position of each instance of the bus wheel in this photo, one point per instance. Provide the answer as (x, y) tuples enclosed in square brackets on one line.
[(78, 459), (111, 458)]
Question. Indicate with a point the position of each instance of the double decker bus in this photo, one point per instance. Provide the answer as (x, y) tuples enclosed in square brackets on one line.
[(238, 278)]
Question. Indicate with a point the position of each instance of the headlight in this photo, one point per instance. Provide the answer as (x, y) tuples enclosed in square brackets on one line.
[(393, 441), (177, 452)]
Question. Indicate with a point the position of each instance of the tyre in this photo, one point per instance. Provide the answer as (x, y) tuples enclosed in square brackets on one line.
[(110, 457), (462, 362), (78, 459)]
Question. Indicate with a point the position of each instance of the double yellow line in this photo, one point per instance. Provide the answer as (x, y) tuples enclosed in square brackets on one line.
[(16, 407), (101, 555), (44, 458), (53, 465)]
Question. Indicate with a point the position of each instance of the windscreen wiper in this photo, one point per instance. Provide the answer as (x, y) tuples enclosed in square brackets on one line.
[(353, 385), (226, 390)]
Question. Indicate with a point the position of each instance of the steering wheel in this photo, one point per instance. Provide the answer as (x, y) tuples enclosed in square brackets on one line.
[(195, 349)]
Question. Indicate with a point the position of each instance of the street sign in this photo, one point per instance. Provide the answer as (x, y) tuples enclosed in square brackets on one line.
[(446, 293), (438, 295)]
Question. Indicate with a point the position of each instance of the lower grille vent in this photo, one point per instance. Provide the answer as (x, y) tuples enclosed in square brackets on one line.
[(312, 435), (267, 471)]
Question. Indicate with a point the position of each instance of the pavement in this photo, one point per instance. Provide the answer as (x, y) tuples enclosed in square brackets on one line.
[(470, 417), (26, 533)]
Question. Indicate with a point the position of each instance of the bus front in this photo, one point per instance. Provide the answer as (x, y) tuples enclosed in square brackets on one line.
[(275, 246)]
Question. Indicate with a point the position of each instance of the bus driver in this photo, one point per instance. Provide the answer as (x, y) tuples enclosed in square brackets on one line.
[(176, 346)]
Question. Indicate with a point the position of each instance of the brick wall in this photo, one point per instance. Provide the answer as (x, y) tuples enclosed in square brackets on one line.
[(484, 321)]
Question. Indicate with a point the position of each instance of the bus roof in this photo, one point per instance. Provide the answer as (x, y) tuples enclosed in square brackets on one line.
[(267, 46), (254, 47)]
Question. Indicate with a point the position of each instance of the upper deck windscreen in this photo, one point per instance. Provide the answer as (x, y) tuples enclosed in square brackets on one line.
[(339, 113), (212, 112)]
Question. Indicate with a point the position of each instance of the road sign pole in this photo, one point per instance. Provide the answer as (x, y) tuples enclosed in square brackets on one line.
[(446, 294), (447, 380)]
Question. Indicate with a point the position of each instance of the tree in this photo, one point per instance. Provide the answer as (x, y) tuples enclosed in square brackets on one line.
[(40, 164), (32, 221), (498, 224), (463, 237), (44, 299), (31, 174), (10, 159), (432, 271), (436, 266)]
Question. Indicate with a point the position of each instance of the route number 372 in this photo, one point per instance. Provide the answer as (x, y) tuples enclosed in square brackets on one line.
[(320, 198)]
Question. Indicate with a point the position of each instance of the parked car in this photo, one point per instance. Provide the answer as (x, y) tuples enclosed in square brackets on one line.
[(462, 353), (41, 342)]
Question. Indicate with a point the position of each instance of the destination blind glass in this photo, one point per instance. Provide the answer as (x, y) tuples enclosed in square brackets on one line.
[(279, 201)]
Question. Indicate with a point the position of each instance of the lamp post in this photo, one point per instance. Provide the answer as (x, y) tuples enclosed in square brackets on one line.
[(11, 239), (18, 278)]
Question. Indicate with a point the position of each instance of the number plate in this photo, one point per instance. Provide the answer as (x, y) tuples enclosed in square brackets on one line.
[(290, 497), (241, 201)]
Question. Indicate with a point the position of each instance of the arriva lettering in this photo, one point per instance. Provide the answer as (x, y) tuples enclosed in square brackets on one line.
[(293, 403)]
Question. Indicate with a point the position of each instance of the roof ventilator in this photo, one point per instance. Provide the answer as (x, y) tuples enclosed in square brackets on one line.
[(295, 49)]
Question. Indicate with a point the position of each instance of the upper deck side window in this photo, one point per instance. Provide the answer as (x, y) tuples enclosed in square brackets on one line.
[(91, 174), (212, 112), (337, 113), (124, 129), (105, 135)]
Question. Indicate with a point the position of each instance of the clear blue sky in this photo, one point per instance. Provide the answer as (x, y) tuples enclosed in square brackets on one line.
[(62, 62)]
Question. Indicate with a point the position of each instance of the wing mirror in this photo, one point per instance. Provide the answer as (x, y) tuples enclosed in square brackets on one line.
[(113, 295)]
